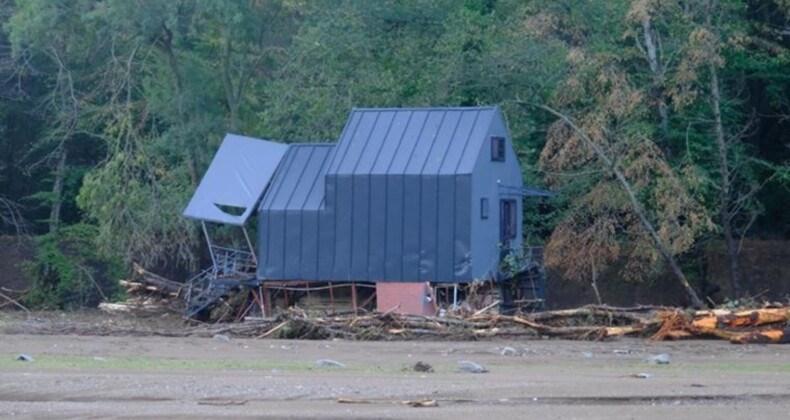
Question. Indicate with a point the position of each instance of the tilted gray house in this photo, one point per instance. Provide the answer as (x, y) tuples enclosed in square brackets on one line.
[(405, 195)]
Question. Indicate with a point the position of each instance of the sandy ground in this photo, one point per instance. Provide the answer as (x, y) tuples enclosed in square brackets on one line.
[(161, 377)]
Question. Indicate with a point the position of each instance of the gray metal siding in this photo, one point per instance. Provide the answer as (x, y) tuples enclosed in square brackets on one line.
[(308, 256), (445, 227), (395, 211), (360, 227), (411, 228), (428, 227), (293, 243), (463, 229), (326, 239), (488, 177), (396, 199), (377, 230), (343, 199), (274, 249), (289, 214)]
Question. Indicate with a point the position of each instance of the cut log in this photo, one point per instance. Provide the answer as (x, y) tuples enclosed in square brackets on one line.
[(763, 337), (741, 319), (150, 279)]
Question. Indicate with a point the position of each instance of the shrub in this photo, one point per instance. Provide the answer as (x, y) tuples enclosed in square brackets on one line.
[(68, 272)]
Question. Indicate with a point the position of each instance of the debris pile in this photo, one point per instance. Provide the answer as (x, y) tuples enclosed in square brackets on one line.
[(148, 294), (591, 323), (144, 282), (765, 325)]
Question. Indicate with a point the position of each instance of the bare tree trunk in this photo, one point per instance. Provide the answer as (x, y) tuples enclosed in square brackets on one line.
[(665, 252), (594, 282), (57, 191), (653, 59), (725, 193)]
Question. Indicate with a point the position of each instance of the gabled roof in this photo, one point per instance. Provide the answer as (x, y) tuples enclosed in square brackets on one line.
[(411, 141), (299, 183), (236, 178)]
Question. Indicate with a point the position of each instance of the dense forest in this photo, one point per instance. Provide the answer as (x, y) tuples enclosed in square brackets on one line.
[(664, 125)]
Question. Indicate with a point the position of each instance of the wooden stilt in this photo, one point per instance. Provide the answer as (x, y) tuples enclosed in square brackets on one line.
[(332, 297), (267, 301), (354, 297), (259, 300)]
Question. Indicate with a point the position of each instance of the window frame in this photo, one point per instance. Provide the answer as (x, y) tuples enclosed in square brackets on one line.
[(508, 219), (498, 148)]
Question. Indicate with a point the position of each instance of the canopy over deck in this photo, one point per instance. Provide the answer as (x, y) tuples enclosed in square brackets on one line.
[(235, 180)]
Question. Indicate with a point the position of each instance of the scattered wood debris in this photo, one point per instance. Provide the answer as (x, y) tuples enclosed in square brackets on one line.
[(222, 403), (146, 282), (152, 293), (767, 325), (7, 299), (410, 403), (148, 294)]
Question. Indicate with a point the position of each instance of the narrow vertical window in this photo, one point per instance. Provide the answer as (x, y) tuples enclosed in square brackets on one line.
[(484, 208), (498, 149), (508, 220)]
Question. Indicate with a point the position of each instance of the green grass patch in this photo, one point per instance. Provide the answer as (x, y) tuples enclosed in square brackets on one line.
[(745, 367), (145, 364), (45, 362)]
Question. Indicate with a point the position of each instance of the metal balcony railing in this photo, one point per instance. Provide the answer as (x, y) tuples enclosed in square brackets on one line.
[(233, 262)]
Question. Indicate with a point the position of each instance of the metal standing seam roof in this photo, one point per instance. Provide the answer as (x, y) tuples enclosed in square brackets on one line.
[(411, 141), (299, 184)]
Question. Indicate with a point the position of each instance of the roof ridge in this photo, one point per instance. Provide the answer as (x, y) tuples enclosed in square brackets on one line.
[(425, 108), (313, 144)]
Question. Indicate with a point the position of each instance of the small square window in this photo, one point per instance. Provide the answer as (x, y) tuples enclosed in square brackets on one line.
[(498, 149), (484, 208)]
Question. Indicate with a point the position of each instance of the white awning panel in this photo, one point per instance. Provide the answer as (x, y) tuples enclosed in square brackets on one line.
[(235, 180)]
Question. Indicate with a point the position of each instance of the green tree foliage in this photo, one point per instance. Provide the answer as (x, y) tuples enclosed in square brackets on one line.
[(69, 273)]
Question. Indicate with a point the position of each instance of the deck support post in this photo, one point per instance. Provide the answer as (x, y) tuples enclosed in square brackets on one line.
[(267, 301), (354, 297)]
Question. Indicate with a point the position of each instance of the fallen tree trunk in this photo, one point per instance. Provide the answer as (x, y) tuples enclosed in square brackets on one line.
[(148, 279), (750, 318)]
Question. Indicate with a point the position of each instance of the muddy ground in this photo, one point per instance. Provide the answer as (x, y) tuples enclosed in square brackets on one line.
[(129, 373)]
